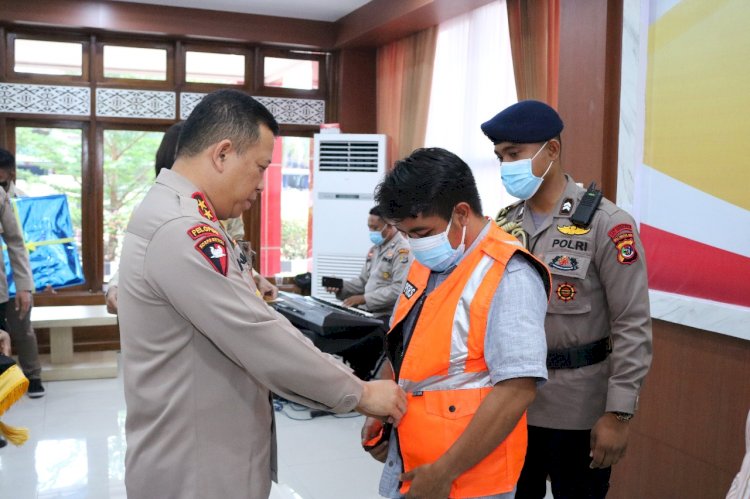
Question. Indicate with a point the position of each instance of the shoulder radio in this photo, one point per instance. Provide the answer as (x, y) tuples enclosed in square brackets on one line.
[(587, 206)]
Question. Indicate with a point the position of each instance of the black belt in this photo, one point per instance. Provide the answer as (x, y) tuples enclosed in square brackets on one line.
[(580, 356)]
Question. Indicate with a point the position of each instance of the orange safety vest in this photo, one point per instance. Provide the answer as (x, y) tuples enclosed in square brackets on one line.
[(443, 370)]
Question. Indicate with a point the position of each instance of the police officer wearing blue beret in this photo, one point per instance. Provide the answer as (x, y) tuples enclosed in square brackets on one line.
[(598, 323)]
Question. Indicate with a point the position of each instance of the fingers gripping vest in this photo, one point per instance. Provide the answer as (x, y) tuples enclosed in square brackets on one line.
[(443, 369)]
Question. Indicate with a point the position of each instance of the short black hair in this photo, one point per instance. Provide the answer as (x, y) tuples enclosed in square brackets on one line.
[(167, 151), (375, 210), (431, 181), (7, 160), (224, 114)]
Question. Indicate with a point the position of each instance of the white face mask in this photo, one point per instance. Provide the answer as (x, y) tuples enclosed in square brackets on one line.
[(519, 179), (435, 252)]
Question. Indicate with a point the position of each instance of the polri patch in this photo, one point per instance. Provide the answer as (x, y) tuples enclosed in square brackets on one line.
[(566, 291), (573, 230), (572, 244), (204, 207), (566, 207), (201, 230), (409, 289), (564, 262), (623, 239), (214, 249)]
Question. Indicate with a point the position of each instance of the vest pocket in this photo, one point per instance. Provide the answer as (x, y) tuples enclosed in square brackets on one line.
[(452, 404)]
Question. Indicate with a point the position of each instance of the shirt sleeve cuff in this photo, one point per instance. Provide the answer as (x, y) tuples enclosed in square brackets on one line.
[(621, 400)]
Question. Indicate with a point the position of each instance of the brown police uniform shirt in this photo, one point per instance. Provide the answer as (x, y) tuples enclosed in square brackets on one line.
[(201, 350), (12, 235), (599, 290), (382, 277)]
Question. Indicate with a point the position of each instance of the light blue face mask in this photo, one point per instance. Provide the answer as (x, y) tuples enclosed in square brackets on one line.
[(376, 237), (435, 252), (519, 179)]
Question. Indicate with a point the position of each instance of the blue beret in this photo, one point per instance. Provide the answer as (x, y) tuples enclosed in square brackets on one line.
[(525, 122)]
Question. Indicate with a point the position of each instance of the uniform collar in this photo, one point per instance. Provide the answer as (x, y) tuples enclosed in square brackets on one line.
[(566, 205), (177, 182)]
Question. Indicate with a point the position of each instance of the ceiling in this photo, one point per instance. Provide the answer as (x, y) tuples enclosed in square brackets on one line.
[(318, 10)]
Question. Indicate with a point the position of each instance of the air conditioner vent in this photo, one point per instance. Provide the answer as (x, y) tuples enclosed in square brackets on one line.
[(348, 157)]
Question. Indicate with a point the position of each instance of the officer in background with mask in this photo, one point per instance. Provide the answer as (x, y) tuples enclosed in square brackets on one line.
[(383, 275), (598, 323)]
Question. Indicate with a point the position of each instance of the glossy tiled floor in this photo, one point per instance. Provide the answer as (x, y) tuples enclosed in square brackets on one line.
[(77, 449)]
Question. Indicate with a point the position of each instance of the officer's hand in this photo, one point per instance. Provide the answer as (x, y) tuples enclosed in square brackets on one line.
[(609, 439), (268, 290), (111, 299), (4, 343), (373, 428), (355, 300), (333, 290), (383, 398), (23, 303), (427, 482)]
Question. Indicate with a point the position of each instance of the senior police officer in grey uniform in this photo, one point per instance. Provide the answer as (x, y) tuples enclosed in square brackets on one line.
[(383, 275), (598, 323), (201, 349)]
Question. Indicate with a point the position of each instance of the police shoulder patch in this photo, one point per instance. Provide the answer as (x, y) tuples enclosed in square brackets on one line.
[(214, 250), (624, 240), (201, 230)]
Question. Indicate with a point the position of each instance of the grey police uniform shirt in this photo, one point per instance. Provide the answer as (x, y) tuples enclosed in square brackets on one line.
[(599, 290), (382, 277), (201, 350), (12, 235)]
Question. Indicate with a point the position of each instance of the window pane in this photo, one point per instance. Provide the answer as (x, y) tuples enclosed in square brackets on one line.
[(290, 73), (48, 161), (128, 173), (287, 210), (49, 58), (207, 67), (134, 62)]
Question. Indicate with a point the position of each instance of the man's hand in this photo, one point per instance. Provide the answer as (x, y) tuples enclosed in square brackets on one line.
[(23, 303), (428, 482), (383, 398), (371, 429), (354, 300), (609, 439), (268, 290), (111, 299), (333, 290), (4, 343)]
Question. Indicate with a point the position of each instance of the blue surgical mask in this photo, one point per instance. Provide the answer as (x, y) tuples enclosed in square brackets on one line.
[(435, 252), (376, 237), (519, 179)]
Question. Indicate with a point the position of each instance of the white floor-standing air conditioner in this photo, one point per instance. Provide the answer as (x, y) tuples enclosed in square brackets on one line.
[(348, 167)]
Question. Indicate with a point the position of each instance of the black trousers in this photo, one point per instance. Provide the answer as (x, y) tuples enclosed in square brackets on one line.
[(564, 456)]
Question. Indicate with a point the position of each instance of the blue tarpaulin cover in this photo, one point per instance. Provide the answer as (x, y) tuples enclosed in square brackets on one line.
[(48, 233)]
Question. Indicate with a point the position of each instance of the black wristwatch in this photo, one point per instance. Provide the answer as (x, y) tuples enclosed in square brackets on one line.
[(623, 416)]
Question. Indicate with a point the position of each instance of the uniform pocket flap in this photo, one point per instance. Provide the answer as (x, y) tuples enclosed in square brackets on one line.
[(568, 265)]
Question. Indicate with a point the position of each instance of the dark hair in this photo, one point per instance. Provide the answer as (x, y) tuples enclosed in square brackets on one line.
[(167, 151), (7, 160), (224, 114), (429, 182), (375, 210)]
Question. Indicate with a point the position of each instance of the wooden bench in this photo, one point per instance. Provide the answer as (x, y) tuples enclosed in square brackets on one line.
[(63, 363)]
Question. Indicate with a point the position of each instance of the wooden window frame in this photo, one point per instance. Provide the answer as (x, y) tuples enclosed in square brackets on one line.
[(134, 83), (18, 77), (261, 89), (188, 86)]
